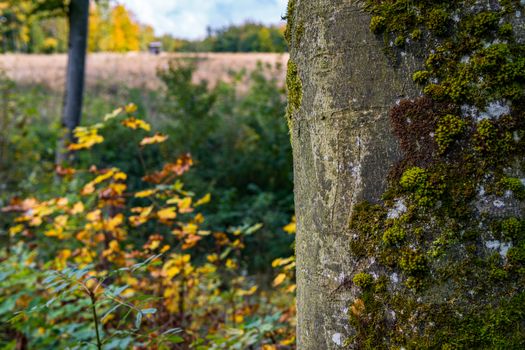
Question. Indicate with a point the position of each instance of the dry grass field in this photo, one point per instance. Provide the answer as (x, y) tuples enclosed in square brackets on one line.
[(133, 69)]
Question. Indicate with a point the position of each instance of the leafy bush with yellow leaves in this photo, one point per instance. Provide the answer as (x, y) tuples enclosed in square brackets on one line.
[(108, 264)]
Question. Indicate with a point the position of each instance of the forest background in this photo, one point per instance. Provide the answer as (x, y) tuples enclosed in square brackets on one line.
[(113, 28)]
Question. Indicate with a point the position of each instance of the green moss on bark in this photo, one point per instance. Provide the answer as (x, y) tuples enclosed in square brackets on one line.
[(290, 13), (449, 238), (294, 86)]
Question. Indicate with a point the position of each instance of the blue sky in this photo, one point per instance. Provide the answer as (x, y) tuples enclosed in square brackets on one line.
[(189, 18)]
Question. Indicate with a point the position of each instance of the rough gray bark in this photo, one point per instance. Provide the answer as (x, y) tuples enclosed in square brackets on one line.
[(343, 148), (78, 16)]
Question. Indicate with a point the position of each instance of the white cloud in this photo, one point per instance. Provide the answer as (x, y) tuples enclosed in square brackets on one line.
[(189, 18)]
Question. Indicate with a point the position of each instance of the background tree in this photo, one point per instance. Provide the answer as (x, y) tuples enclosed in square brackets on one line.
[(21, 16), (14, 25), (78, 15), (410, 221)]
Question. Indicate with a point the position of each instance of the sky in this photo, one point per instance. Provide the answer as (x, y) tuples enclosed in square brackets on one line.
[(189, 18)]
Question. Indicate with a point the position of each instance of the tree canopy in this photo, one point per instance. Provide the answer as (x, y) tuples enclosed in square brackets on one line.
[(40, 27)]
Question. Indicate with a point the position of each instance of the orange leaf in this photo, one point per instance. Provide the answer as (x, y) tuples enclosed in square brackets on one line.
[(182, 165)]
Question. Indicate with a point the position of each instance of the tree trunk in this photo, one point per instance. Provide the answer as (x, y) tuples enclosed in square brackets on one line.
[(342, 147), (342, 84), (78, 16)]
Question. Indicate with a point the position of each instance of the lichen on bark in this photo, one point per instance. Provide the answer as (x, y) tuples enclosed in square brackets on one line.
[(448, 239)]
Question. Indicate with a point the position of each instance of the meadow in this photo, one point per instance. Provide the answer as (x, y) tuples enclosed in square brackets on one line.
[(135, 69)]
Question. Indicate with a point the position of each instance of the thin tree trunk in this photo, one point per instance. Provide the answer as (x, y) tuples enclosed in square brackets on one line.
[(78, 16)]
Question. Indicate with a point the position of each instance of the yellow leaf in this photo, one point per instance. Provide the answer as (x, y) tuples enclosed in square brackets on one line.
[(154, 245), (93, 216), (185, 205), (191, 241), (88, 189), (86, 138), (137, 220), (204, 200), (230, 264), (289, 341), (280, 262), (114, 222), (113, 114), (279, 279), (251, 291), (144, 194), (212, 258), (62, 202), (269, 347), (143, 211), (16, 229), (61, 220), (103, 177), (58, 233), (167, 213), (114, 246), (172, 271), (134, 123), (78, 208), (291, 227), (62, 257), (157, 138), (190, 229), (36, 221), (199, 218), (118, 188), (130, 108), (120, 176), (173, 200)]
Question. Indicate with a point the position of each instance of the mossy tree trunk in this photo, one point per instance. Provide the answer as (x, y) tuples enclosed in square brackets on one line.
[(343, 147), (344, 91)]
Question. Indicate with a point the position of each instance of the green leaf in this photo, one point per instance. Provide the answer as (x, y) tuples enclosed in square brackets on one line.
[(49, 279), (110, 311), (172, 331), (61, 287), (119, 290), (148, 311), (225, 253), (253, 229), (138, 320), (81, 273), (50, 301), (175, 339)]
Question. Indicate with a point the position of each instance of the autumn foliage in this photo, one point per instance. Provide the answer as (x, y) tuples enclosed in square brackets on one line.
[(117, 262)]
